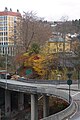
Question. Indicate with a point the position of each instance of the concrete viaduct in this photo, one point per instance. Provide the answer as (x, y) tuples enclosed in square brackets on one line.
[(35, 89)]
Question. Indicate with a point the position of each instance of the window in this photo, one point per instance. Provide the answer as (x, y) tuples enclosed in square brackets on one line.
[(3, 50), (54, 50), (1, 23), (5, 38), (14, 31), (1, 33), (60, 44), (5, 28), (5, 17), (14, 26), (5, 43), (1, 28), (5, 23), (60, 49), (14, 18), (2, 17), (5, 33)]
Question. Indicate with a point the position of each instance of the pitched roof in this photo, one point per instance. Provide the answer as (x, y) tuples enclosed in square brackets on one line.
[(56, 39), (10, 13)]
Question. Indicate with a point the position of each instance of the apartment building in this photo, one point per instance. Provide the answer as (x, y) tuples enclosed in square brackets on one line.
[(8, 22)]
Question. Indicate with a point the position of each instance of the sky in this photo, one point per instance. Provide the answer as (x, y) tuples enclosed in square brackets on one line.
[(51, 10)]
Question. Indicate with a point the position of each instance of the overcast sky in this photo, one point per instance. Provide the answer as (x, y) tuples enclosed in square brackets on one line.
[(49, 9)]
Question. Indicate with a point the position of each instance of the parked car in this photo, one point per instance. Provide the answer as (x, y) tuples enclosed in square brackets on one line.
[(4, 74)]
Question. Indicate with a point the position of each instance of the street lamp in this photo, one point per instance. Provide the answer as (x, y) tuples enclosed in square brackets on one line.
[(78, 79), (58, 78), (69, 82), (6, 64)]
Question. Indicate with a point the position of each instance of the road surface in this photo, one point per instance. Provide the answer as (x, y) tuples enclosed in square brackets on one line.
[(75, 93)]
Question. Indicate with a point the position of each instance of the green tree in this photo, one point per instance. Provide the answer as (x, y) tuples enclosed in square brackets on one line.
[(35, 48)]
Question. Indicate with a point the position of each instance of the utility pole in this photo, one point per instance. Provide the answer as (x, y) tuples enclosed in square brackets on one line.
[(6, 63), (78, 79)]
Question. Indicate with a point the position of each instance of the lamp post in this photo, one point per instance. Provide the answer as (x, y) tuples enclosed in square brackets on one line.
[(58, 78), (69, 82), (78, 79), (6, 64)]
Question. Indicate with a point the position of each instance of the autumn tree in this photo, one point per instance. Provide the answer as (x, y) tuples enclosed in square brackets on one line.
[(29, 29), (41, 63)]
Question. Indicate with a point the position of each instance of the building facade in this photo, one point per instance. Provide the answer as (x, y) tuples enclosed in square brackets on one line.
[(58, 44), (8, 22)]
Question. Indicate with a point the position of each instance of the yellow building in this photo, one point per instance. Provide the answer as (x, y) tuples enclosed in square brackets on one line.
[(8, 20), (58, 44)]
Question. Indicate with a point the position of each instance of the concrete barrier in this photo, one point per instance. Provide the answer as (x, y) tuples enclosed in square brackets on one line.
[(63, 114)]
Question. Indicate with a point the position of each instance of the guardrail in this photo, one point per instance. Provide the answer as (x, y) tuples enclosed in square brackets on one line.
[(62, 114), (46, 81)]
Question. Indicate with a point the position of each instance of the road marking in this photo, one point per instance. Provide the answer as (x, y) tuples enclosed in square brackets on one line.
[(75, 94), (75, 111)]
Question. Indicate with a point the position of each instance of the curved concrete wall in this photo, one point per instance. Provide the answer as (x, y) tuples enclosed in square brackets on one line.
[(63, 114)]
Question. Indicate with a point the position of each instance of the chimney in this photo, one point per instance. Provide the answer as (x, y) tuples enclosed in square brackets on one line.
[(11, 9), (17, 10), (6, 9)]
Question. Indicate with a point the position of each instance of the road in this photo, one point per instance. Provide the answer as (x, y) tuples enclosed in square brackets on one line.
[(76, 98), (75, 93)]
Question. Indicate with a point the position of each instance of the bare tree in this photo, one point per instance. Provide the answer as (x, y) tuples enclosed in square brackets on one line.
[(31, 29)]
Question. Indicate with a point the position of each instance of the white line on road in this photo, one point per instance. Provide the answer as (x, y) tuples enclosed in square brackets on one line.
[(75, 111), (75, 94)]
